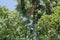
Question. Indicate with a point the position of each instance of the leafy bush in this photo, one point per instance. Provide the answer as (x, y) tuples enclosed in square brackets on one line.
[(10, 24), (49, 26)]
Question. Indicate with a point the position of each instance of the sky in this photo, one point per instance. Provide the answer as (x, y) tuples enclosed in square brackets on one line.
[(10, 4)]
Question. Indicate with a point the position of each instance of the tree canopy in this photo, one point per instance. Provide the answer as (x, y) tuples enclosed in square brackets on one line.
[(31, 20)]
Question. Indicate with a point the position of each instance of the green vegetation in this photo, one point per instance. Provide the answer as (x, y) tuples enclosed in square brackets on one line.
[(13, 26)]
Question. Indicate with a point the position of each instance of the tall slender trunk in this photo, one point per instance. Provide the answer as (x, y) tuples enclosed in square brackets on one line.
[(34, 18), (35, 35)]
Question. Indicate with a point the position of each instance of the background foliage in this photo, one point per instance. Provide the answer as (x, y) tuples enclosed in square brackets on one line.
[(14, 25)]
